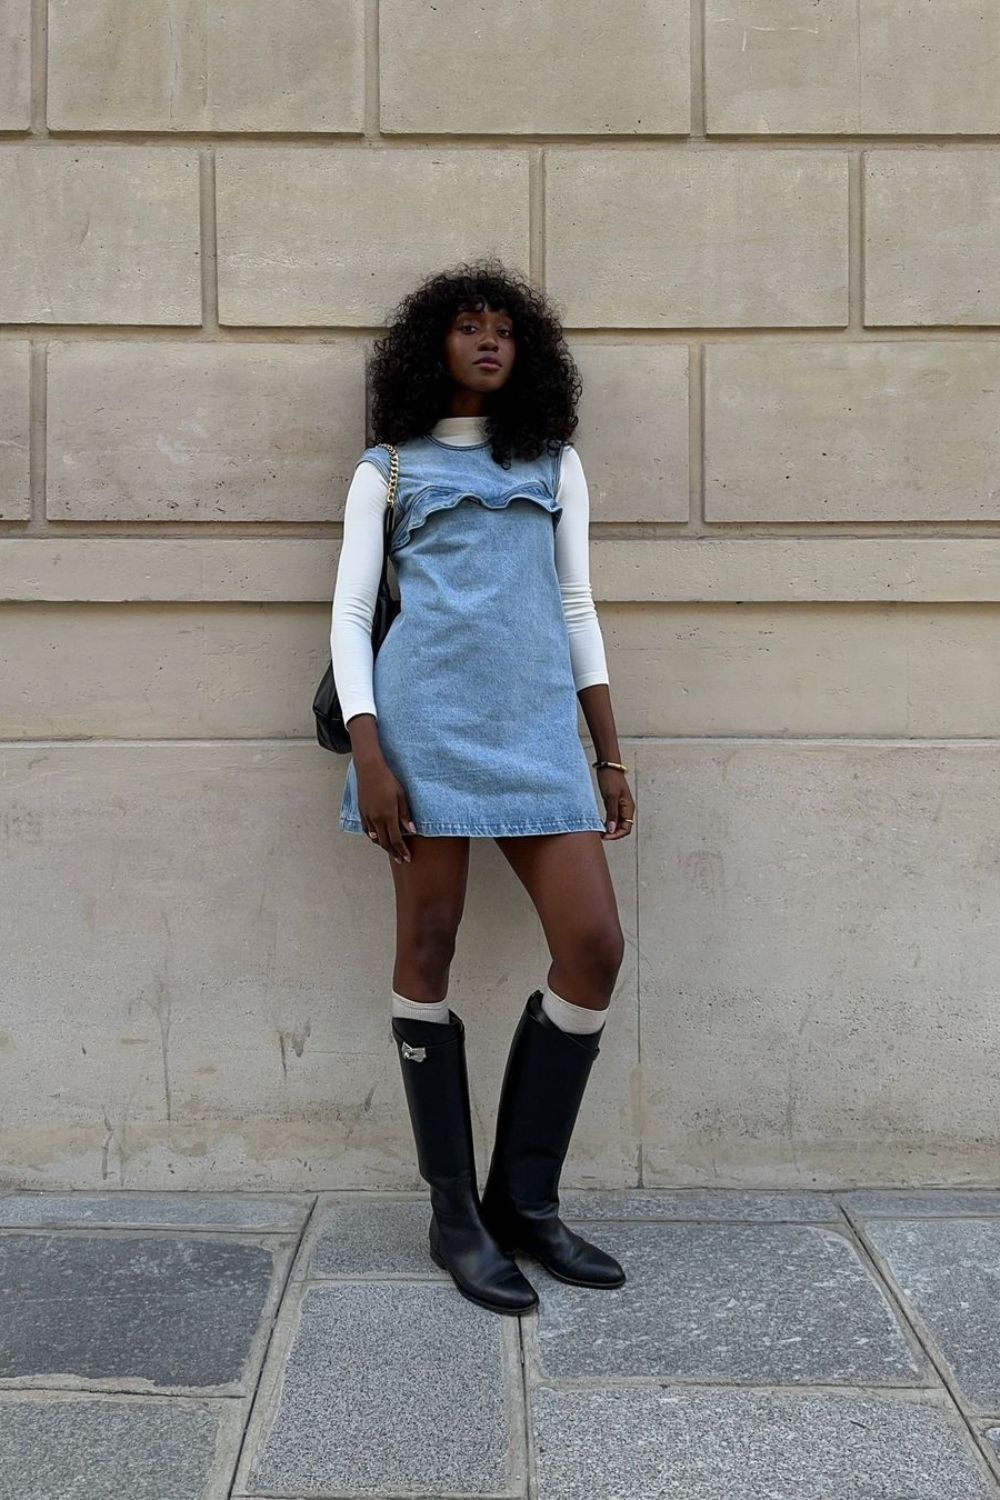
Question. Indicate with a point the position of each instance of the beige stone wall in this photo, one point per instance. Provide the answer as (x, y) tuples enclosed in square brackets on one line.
[(771, 228)]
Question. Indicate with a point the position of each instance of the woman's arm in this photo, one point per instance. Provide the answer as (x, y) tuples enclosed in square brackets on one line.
[(586, 642), (355, 592), (590, 669)]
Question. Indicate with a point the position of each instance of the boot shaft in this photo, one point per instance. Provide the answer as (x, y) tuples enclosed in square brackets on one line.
[(543, 1086), (436, 1083)]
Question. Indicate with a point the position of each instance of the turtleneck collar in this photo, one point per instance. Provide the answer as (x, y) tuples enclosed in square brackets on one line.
[(460, 431)]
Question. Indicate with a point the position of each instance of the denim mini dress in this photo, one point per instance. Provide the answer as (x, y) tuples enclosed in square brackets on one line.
[(473, 683)]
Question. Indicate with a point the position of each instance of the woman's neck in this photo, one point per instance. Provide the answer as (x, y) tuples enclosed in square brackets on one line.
[(460, 430)]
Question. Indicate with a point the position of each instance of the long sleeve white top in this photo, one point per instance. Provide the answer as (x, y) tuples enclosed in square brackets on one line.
[(360, 568)]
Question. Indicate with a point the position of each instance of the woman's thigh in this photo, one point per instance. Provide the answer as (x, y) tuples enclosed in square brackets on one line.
[(567, 877), (430, 899)]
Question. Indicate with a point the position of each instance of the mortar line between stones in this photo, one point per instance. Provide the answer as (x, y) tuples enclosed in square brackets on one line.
[(855, 241), (640, 1144), (262, 1364), (530, 1489), (924, 1338), (697, 76), (911, 1394), (209, 241), (373, 1495), (38, 66)]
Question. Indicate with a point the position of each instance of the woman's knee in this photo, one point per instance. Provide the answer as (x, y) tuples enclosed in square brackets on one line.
[(429, 946), (601, 951)]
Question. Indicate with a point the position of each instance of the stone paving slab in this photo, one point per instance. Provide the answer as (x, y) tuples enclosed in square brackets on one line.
[(146, 1311), (948, 1271), (783, 1304), (388, 1388), (76, 1447), (261, 1212), (696, 1203), (382, 1380), (374, 1237), (699, 1443), (904, 1203), (360, 1234)]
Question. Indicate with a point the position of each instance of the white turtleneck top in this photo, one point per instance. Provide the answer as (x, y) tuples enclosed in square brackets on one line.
[(360, 568)]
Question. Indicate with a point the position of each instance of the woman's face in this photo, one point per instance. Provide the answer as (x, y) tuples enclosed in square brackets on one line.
[(476, 336)]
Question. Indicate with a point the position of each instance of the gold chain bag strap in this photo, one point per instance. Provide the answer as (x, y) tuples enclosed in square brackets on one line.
[(331, 731)]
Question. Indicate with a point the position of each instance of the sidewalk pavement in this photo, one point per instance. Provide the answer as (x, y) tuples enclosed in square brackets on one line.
[(766, 1346)]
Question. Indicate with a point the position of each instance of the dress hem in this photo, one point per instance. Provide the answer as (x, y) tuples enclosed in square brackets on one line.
[(481, 830)]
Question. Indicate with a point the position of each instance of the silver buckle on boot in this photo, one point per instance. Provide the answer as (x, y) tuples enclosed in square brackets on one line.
[(415, 1054)]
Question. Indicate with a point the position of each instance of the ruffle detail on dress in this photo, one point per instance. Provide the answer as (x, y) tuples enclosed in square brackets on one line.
[(438, 498)]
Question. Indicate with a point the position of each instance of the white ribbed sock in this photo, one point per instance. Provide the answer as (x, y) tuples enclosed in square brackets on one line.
[(420, 1010), (569, 1017)]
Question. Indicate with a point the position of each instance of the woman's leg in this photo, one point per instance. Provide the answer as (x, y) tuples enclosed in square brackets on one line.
[(552, 1053), (567, 877), (430, 899), (430, 895)]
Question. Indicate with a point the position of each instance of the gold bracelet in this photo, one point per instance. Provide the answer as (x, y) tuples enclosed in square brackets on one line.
[(614, 765)]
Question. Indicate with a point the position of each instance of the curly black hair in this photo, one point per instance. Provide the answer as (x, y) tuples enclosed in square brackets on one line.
[(533, 412)]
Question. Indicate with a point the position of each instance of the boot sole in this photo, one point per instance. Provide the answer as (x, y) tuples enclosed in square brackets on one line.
[(515, 1312), (596, 1286)]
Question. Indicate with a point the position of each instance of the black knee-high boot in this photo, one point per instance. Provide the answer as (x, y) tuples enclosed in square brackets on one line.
[(544, 1082), (432, 1059)]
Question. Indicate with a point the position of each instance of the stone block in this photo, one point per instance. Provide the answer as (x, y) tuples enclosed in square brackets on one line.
[(202, 431), (946, 1270), (798, 669), (683, 569), (934, 1202), (517, 76), (15, 398), (56, 1445), (903, 431), (781, 67), (99, 234), (362, 1235), (675, 238), (780, 1304), (698, 1203), (388, 1388), (229, 672), (231, 1054), (115, 65), (815, 961), (140, 1311), (709, 1444), (262, 1212), (295, 227), (932, 224), (634, 430), (931, 69), (792, 68), (15, 64)]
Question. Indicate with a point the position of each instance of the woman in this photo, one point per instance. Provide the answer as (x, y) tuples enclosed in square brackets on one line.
[(464, 725)]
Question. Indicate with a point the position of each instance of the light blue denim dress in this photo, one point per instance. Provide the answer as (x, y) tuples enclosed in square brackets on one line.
[(473, 684)]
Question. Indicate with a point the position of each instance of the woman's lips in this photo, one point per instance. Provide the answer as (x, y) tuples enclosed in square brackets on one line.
[(488, 364)]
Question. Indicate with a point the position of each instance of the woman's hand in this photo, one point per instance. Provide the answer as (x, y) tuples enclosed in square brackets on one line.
[(618, 802), (384, 810)]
